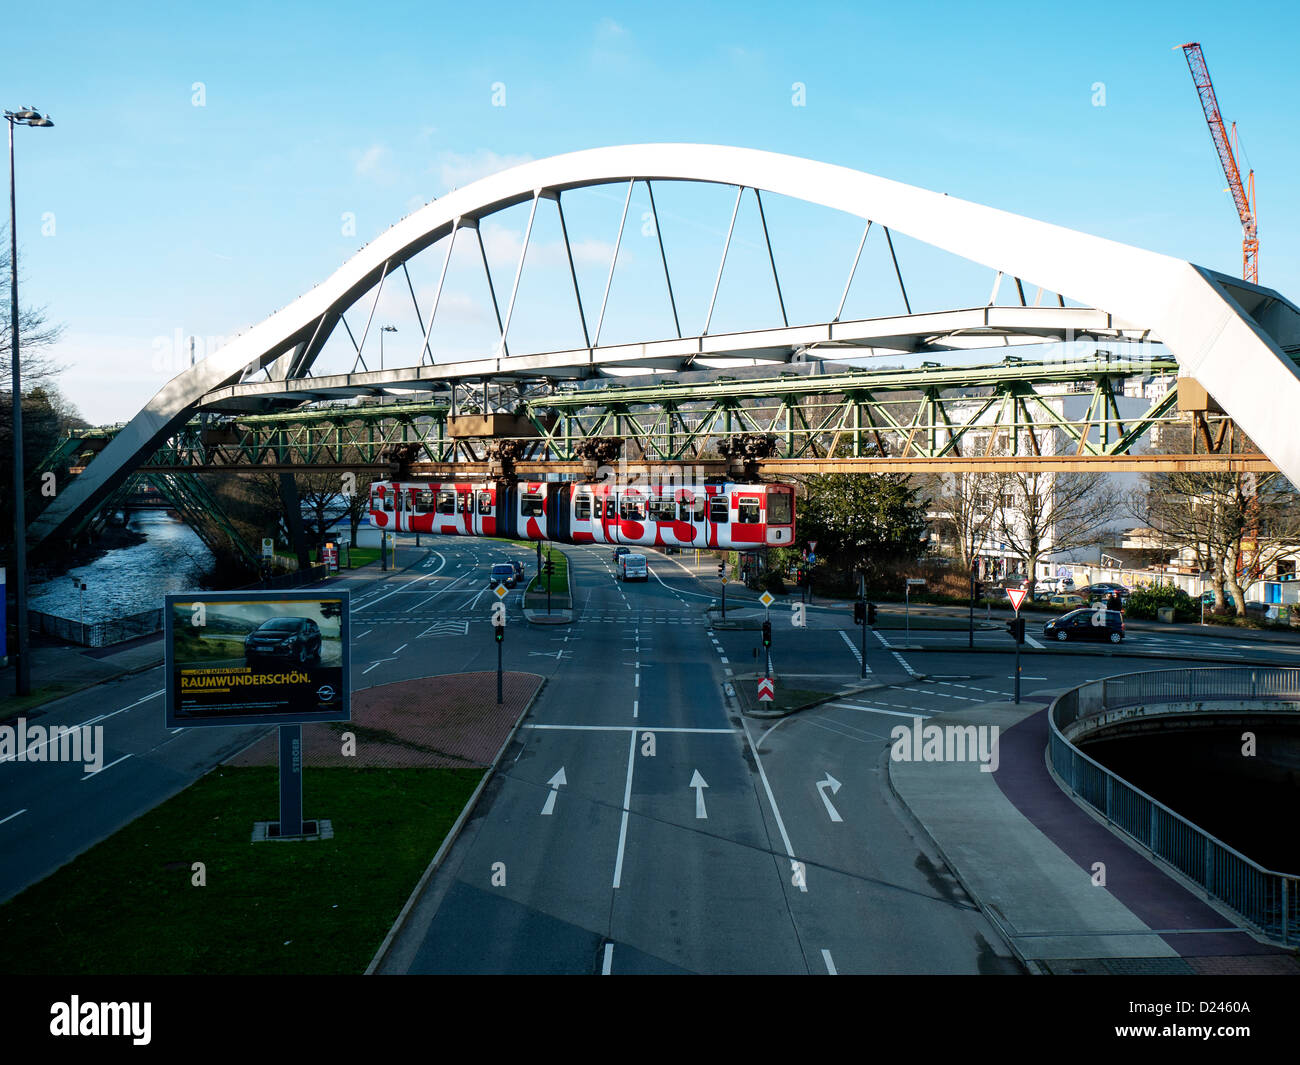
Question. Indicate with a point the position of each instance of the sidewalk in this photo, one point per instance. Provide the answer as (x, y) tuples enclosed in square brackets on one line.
[(1026, 852)]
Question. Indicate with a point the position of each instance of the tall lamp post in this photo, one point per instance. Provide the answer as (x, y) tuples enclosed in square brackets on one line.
[(23, 666), (382, 330)]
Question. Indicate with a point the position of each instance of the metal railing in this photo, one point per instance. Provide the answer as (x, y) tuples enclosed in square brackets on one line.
[(97, 633), (1268, 900)]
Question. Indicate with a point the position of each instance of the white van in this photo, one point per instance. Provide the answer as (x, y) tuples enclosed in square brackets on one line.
[(632, 568)]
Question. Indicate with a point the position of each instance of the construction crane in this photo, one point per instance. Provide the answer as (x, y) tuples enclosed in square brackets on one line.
[(1243, 196)]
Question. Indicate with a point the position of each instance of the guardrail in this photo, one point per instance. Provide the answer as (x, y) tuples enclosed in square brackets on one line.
[(97, 633), (1267, 900)]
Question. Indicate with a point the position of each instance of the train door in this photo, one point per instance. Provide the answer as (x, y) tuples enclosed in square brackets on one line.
[(718, 517), (747, 516), (583, 521), (484, 522), (632, 523), (689, 527)]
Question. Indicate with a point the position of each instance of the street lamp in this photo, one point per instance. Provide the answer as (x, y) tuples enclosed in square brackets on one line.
[(23, 666), (382, 330)]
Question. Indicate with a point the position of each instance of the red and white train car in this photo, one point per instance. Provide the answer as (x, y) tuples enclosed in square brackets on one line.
[(722, 515)]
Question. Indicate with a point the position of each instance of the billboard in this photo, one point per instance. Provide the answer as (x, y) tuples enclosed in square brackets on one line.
[(244, 658)]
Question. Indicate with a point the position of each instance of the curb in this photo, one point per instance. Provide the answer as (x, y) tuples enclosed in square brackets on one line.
[(762, 715), (1101, 652), (452, 835), (994, 918), (85, 687)]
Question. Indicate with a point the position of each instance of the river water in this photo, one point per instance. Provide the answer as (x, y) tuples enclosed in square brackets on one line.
[(130, 580)]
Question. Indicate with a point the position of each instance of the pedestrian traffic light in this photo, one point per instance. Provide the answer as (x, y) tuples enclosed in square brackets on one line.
[(871, 613), (1016, 627), (499, 631), (767, 634), (859, 613)]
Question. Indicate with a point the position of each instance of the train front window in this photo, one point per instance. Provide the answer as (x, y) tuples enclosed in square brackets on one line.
[(531, 506), (446, 501), (718, 510), (748, 513), (485, 502), (582, 506), (778, 508)]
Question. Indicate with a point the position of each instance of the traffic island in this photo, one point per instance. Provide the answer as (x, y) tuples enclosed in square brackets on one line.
[(190, 894), (548, 599), (787, 700)]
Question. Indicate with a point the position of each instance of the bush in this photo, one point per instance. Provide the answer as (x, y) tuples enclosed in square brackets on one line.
[(773, 583), (1144, 603)]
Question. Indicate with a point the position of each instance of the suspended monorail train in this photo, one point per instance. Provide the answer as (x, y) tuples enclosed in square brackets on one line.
[(720, 515)]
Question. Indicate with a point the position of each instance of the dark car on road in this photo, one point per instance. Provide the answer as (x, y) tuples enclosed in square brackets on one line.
[(296, 639), (1087, 623), (619, 552), (503, 573)]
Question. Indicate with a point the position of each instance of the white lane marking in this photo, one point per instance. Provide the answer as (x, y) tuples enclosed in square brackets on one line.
[(406, 587), (632, 728), (86, 724), (636, 681), (627, 803), (883, 641), (401, 649), (369, 668), (876, 710), (830, 965), (430, 598), (699, 784), (776, 813), (555, 782), (834, 785), (852, 647), (13, 815), (903, 662), (608, 963), (1032, 642), (725, 659), (361, 634), (636, 706), (95, 772)]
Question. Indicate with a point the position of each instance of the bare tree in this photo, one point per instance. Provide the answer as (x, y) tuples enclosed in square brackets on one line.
[(964, 507), (1041, 513)]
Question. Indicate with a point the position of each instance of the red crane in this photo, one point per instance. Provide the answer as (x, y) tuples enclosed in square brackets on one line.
[(1243, 195)]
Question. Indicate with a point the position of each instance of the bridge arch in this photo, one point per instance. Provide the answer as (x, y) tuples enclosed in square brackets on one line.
[(1236, 339)]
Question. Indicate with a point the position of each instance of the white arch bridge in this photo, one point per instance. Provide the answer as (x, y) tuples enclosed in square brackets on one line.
[(1237, 341)]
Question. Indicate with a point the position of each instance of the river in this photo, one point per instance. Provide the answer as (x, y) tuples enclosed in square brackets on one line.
[(130, 580)]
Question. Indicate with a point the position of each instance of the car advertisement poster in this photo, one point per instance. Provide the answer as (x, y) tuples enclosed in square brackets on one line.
[(243, 658)]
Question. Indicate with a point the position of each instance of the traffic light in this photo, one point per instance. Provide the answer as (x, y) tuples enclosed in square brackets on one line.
[(1016, 627), (859, 613), (548, 567), (767, 634), (799, 576), (499, 631), (871, 613), (722, 568)]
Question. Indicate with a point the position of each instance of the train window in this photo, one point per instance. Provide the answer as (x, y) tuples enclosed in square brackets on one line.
[(423, 501), (778, 508), (582, 506), (464, 498), (685, 504), (661, 510), (388, 500), (485, 502), (632, 508), (446, 501), (748, 512), (718, 509), (532, 505), (610, 511)]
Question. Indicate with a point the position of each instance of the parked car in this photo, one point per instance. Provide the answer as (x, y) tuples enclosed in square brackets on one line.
[(1055, 584), (619, 552), (1067, 599), (297, 639), (503, 573), (1086, 624)]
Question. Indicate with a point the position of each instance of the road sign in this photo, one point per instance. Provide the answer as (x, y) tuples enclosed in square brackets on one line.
[(724, 578), (812, 546), (915, 580), (1017, 596), (268, 547), (767, 599), (500, 591), (766, 690)]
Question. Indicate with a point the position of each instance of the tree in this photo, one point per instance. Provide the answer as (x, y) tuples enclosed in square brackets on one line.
[(1236, 524), (963, 508), (864, 523), (1041, 513), (358, 504)]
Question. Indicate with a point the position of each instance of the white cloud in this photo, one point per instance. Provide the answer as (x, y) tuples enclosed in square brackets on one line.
[(374, 163), (454, 170)]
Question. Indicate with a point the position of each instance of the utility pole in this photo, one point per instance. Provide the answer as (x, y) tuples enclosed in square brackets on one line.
[(862, 598)]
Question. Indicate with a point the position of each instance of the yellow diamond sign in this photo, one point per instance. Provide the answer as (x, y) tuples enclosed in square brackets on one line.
[(501, 591), (766, 599)]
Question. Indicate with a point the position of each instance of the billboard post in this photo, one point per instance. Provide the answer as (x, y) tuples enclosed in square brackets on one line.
[(290, 781)]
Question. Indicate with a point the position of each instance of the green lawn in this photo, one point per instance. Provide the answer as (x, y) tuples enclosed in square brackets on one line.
[(362, 556), (128, 906), (559, 578)]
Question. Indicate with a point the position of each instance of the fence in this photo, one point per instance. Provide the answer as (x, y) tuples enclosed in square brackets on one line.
[(1268, 900), (147, 622)]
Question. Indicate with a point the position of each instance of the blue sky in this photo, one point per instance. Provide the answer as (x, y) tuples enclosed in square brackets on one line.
[(171, 219)]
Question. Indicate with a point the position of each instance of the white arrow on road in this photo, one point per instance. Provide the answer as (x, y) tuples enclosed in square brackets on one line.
[(699, 784), (555, 783), (834, 785)]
